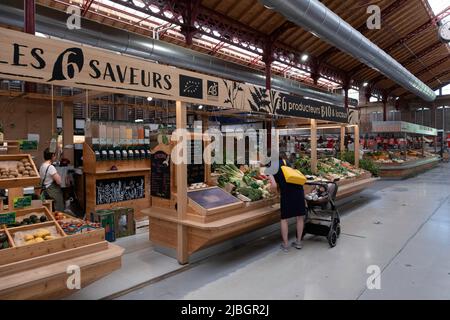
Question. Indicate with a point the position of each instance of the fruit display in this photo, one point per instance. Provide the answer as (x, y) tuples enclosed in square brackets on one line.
[(59, 216), (4, 244), (245, 182), (75, 226), (72, 225), (31, 218), (17, 169), (35, 236), (397, 157)]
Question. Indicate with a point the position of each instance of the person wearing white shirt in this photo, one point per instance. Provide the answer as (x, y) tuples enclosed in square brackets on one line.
[(51, 181)]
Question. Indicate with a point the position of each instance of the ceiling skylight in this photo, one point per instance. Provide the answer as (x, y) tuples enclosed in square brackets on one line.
[(438, 6)]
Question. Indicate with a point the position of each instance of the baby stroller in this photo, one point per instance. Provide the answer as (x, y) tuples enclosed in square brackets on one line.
[(322, 217)]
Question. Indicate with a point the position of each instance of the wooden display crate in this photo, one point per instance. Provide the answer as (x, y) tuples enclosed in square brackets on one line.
[(20, 214), (18, 253), (21, 182)]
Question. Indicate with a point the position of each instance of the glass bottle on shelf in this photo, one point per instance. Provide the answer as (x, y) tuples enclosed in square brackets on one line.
[(147, 141), (1, 135), (116, 140), (140, 133), (103, 146), (137, 153), (123, 141), (92, 130), (130, 141), (110, 140)]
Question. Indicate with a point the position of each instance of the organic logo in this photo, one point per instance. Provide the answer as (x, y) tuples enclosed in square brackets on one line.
[(191, 87), (213, 88), (66, 63)]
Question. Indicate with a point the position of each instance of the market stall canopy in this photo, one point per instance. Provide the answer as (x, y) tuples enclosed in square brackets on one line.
[(401, 127), (56, 62)]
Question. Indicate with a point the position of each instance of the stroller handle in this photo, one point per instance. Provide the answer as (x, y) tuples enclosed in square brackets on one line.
[(321, 183)]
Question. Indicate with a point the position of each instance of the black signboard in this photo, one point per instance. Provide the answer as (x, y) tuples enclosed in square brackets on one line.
[(120, 189), (191, 87), (196, 166), (307, 108), (160, 175)]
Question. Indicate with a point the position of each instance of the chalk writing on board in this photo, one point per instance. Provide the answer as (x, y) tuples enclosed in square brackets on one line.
[(196, 166), (120, 189), (160, 175)]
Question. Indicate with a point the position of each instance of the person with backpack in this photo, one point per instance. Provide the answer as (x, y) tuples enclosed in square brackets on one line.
[(292, 204), (51, 181)]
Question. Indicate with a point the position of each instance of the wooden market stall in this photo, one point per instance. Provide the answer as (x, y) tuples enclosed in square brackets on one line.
[(348, 185), (180, 218), (185, 220), (401, 161), (37, 248)]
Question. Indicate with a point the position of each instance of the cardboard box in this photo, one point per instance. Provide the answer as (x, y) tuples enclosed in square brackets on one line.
[(106, 220), (124, 223)]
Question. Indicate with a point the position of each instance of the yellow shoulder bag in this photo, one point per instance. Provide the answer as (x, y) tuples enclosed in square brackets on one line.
[(293, 176)]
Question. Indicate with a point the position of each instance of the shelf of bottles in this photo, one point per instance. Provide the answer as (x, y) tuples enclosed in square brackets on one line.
[(116, 140)]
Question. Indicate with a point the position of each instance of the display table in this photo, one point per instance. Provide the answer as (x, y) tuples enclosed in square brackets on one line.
[(408, 168), (350, 186)]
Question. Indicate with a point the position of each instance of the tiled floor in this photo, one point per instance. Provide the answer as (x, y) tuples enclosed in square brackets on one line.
[(403, 227)]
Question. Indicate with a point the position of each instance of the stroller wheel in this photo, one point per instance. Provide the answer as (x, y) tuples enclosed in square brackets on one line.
[(332, 238), (338, 230)]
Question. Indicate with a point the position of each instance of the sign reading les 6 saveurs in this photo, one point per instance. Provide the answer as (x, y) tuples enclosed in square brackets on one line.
[(29, 58)]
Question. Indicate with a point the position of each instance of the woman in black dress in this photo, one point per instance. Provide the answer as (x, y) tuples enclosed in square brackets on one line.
[(292, 204)]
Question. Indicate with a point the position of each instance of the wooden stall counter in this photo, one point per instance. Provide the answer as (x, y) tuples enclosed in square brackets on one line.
[(213, 216), (349, 186)]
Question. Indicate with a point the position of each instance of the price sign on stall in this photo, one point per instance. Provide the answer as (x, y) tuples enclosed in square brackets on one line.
[(22, 202), (7, 218)]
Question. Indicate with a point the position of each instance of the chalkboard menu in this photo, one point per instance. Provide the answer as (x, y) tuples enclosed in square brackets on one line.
[(160, 175), (120, 189), (196, 166)]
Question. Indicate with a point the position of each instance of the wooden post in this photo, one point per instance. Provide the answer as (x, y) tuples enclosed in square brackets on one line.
[(356, 146), (181, 179), (314, 146), (68, 132), (342, 140)]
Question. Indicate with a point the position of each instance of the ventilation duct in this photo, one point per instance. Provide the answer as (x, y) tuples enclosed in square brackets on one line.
[(315, 17), (53, 22)]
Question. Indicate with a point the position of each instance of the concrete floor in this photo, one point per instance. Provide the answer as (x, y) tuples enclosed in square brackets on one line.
[(403, 227)]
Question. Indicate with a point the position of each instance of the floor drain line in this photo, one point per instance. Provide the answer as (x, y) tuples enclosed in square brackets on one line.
[(353, 235), (147, 283)]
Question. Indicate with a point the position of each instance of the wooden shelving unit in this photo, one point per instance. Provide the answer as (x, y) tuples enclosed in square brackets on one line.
[(15, 185), (95, 171)]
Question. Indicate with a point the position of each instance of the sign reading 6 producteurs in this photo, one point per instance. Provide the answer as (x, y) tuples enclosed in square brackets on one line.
[(30, 58)]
